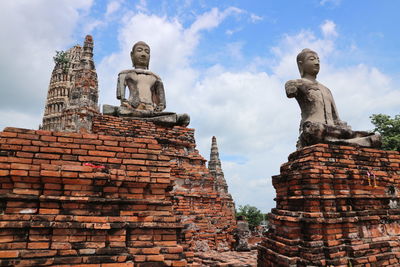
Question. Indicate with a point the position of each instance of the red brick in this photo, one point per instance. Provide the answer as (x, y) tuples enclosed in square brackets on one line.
[(150, 251), (155, 258), (92, 159), (48, 138), (40, 143), (79, 152), (122, 264), (134, 161), (47, 156), (28, 136), (38, 245), (78, 168), (12, 141), (9, 253), (30, 148), (8, 134), (179, 263), (65, 139), (101, 153), (20, 166), (19, 172), (55, 150), (50, 173)]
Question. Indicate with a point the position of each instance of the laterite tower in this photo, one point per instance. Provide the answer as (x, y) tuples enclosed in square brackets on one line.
[(73, 91)]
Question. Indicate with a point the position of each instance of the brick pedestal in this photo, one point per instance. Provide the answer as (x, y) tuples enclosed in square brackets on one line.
[(130, 194), (70, 198), (335, 205)]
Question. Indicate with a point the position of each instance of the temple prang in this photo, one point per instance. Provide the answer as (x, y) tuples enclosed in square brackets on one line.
[(72, 98)]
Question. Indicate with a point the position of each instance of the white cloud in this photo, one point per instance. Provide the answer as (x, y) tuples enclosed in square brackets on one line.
[(329, 29), (330, 2), (113, 7), (254, 18), (233, 31), (213, 18), (142, 6), (31, 32)]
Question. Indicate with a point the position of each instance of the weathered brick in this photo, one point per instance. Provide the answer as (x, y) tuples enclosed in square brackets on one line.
[(121, 169), (101, 153), (9, 253)]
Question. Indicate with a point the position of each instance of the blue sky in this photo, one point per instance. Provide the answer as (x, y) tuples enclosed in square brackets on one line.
[(223, 62)]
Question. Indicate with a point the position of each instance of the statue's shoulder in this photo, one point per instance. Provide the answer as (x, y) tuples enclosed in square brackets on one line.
[(153, 74), (296, 83), (306, 82), (124, 72)]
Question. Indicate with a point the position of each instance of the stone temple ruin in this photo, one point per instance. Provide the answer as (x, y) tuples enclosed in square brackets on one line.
[(92, 189), (127, 187), (73, 91)]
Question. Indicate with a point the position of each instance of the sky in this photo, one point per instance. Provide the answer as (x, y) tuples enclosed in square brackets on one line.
[(223, 62)]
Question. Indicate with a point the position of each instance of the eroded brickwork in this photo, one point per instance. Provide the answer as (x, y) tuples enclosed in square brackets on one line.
[(132, 194), (201, 204), (335, 206), (69, 198)]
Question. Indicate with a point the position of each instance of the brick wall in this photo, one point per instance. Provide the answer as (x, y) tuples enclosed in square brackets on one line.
[(130, 194), (206, 213), (69, 198), (335, 206)]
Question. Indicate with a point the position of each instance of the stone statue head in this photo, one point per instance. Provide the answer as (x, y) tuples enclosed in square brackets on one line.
[(140, 55), (308, 62)]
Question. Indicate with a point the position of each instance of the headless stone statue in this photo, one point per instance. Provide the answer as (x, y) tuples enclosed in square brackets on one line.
[(320, 122), (146, 98)]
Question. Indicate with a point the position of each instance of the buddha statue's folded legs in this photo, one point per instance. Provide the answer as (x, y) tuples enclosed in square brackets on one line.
[(162, 118), (313, 133)]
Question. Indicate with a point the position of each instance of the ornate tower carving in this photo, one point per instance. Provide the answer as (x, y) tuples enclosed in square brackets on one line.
[(214, 166), (73, 91)]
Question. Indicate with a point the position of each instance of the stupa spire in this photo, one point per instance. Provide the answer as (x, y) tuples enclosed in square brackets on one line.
[(214, 166)]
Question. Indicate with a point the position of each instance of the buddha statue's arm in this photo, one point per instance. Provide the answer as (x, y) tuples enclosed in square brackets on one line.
[(160, 96), (121, 87), (291, 88)]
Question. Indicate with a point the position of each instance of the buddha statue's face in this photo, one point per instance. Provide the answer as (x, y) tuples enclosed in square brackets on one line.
[(140, 55), (310, 64)]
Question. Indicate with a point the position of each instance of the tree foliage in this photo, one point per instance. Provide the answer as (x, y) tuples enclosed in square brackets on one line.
[(61, 59), (389, 128), (253, 215)]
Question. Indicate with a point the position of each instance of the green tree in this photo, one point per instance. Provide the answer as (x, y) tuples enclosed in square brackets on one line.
[(252, 214), (61, 59), (389, 129)]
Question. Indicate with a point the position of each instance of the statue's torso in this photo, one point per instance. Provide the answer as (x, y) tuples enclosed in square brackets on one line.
[(143, 83), (140, 84), (316, 102)]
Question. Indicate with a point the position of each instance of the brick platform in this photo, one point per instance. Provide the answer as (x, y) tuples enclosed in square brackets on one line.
[(70, 198), (336, 205), (132, 194)]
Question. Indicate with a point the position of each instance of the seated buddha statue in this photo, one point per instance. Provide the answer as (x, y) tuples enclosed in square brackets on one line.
[(146, 96), (320, 122)]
